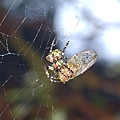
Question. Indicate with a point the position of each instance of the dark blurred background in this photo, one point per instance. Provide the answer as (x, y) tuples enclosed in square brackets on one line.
[(27, 29)]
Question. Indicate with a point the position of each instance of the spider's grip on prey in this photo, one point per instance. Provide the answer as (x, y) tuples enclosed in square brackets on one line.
[(67, 69)]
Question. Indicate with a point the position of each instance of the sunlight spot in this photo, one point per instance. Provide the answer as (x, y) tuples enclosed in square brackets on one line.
[(106, 10)]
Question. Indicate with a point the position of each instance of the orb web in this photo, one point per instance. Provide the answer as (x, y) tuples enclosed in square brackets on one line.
[(27, 30), (26, 34)]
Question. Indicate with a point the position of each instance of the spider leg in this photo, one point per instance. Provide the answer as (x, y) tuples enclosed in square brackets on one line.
[(64, 51), (46, 71), (53, 78), (52, 45), (65, 47)]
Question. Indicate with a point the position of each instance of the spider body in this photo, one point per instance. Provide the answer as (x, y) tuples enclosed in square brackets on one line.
[(67, 72), (66, 69), (56, 58), (58, 66)]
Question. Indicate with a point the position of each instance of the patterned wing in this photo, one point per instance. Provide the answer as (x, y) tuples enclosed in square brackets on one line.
[(84, 60)]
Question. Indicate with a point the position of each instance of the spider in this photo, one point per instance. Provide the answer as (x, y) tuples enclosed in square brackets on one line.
[(66, 69)]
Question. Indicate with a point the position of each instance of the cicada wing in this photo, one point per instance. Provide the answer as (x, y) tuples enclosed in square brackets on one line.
[(84, 60)]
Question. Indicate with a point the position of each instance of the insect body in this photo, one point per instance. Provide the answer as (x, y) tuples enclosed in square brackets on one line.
[(66, 69)]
